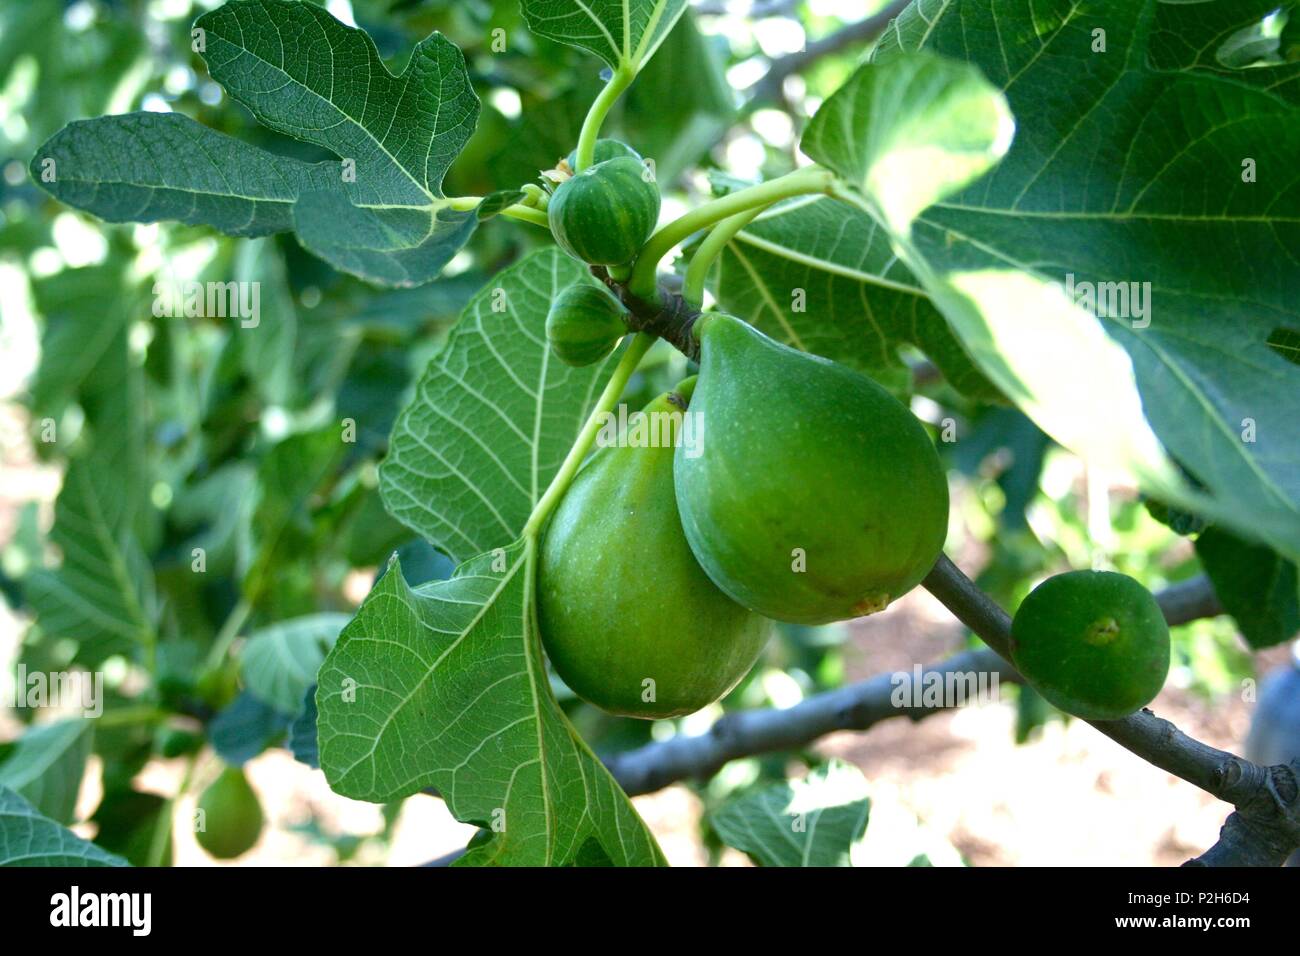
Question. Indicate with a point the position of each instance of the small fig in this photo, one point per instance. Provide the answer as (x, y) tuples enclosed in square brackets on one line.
[(604, 214), (584, 324), (232, 816), (1093, 643)]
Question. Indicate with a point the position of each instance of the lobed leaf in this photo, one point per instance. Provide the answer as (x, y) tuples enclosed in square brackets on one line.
[(444, 686), (378, 213)]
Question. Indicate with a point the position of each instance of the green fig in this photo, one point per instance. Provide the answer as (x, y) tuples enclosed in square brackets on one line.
[(605, 149), (814, 495), (584, 324), (605, 213), (1094, 643), (627, 616), (232, 816)]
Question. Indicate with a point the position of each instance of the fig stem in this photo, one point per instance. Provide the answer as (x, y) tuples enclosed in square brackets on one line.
[(801, 182), (600, 107), (527, 214), (667, 316), (697, 273), (608, 399)]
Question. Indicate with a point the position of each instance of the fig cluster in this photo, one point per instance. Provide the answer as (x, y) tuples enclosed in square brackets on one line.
[(807, 494)]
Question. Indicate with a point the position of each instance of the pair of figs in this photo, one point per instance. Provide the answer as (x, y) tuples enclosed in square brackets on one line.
[(807, 494)]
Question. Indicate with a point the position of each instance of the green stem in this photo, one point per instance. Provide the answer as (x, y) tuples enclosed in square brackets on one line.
[(810, 179), (608, 398), (143, 714), (229, 631), (527, 214), (600, 106), (697, 273), (166, 818), (517, 211)]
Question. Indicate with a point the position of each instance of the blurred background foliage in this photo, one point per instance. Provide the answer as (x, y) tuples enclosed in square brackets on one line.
[(233, 432)]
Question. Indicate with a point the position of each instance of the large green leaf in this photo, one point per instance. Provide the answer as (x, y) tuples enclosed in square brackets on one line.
[(29, 839), (1259, 588), (493, 415), (821, 276), (47, 764), (379, 214), (1118, 173), (1218, 37), (444, 686), (623, 33), (815, 821)]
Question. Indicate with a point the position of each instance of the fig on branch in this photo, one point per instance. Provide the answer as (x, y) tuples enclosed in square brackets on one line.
[(604, 214), (627, 616), (1094, 643), (232, 816), (815, 496), (584, 324)]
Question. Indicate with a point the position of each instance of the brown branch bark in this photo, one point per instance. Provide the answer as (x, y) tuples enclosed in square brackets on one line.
[(1264, 829)]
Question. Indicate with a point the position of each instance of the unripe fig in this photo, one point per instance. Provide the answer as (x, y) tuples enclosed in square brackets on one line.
[(815, 496), (1093, 643), (232, 816), (584, 324), (605, 149), (604, 214), (627, 616)]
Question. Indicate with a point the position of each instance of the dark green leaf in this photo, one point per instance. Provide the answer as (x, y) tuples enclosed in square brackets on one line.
[(29, 839), (444, 686), (1257, 586)]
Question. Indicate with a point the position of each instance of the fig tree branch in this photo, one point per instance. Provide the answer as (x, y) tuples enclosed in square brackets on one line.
[(1265, 827), (858, 706), (1264, 830)]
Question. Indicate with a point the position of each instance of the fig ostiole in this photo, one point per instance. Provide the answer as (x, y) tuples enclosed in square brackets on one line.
[(815, 495), (628, 618), (1093, 643)]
